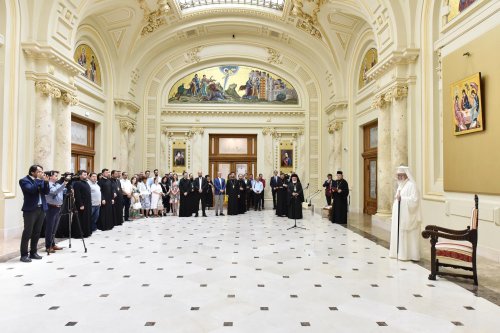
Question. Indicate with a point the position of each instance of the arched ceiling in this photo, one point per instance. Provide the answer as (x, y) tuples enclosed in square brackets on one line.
[(318, 33)]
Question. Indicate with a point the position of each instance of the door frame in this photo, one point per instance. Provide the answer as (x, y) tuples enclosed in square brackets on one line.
[(369, 153)]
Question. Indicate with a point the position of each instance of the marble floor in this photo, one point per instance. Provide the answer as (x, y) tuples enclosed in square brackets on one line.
[(243, 273)]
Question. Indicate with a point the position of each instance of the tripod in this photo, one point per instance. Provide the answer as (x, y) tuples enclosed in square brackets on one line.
[(295, 215), (68, 209)]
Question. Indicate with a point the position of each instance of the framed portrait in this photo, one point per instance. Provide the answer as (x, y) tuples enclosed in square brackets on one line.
[(286, 158), (466, 105), (179, 157)]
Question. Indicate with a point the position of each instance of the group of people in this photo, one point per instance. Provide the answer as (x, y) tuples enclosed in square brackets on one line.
[(105, 200)]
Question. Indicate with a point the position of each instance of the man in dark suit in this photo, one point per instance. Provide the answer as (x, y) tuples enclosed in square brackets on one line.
[(200, 186), (275, 182), (34, 186)]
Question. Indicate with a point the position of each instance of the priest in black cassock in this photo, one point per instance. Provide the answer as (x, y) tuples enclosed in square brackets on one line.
[(295, 198), (185, 209), (242, 200), (200, 186), (107, 200), (83, 203), (118, 207), (281, 196), (340, 191), (233, 193)]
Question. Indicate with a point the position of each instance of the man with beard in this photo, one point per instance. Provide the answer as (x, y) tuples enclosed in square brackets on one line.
[(250, 195), (232, 190), (281, 196), (275, 183), (340, 192), (242, 200), (83, 203), (295, 198), (107, 201), (185, 190), (200, 186), (117, 187)]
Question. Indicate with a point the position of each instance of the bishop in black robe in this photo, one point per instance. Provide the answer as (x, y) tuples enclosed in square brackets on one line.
[(340, 193), (118, 207), (295, 198), (233, 192), (281, 198), (242, 200)]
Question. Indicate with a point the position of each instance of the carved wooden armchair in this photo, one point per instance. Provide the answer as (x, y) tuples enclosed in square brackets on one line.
[(457, 249)]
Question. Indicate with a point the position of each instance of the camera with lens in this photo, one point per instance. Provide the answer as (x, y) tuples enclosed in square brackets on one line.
[(67, 177)]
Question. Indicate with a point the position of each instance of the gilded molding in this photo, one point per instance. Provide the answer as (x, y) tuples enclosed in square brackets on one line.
[(269, 131), (397, 91), (334, 127), (307, 22), (195, 131), (154, 19), (274, 56), (224, 113), (127, 125)]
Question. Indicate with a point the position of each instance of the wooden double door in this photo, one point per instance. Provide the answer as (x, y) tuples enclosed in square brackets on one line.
[(370, 144), (232, 153)]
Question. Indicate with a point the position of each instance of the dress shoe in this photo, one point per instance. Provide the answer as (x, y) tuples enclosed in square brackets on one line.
[(221, 214), (216, 214), (57, 248), (25, 259), (35, 256), (205, 215), (196, 215), (50, 250)]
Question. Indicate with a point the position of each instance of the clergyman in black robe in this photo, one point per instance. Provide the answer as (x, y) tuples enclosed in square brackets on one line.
[(200, 186), (295, 198), (118, 207), (340, 194), (281, 197), (233, 192), (107, 200), (209, 193), (242, 200), (83, 204), (185, 209)]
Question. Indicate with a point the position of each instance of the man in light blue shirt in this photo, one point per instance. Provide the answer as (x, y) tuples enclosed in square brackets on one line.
[(57, 189), (258, 188)]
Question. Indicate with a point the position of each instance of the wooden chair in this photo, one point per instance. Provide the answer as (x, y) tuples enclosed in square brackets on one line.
[(459, 251)]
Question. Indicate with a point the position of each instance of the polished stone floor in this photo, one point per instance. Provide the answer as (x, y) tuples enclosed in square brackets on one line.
[(243, 273)]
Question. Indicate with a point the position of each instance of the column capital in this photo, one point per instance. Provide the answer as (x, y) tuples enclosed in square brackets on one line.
[(69, 98), (195, 131), (125, 125), (47, 88), (335, 127), (379, 102), (399, 92), (269, 131)]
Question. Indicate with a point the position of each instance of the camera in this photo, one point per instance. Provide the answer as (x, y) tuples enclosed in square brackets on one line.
[(68, 177)]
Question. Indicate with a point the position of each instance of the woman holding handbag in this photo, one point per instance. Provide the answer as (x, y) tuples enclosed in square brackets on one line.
[(328, 189)]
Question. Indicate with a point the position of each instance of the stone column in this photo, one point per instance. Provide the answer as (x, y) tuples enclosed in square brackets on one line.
[(399, 130), (267, 171), (301, 149), (336, 129), (131, 149), (196, 149), (63, 132), (164, 167), (124, 142), (43, 139), (384, 172), (331, 149)]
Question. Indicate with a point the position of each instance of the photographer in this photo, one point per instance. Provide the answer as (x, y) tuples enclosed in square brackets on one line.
[(34, 186), (83, 203), (57, 190)]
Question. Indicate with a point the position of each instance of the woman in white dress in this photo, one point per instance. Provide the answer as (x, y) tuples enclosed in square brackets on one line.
[(156, 194), (145, 192)]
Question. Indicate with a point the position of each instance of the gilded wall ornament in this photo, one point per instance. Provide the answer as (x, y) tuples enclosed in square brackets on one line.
[(274, 56)]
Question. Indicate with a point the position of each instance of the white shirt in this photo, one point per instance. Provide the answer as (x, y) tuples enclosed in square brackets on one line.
[(126, 186), (258, 187), (95, 193)]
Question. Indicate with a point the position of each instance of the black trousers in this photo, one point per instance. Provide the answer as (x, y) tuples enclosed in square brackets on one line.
[(328, 200), (33, 222), (250, 199), (126, 207), (262, 199), (198, 197), (259, 200), (274, 198)]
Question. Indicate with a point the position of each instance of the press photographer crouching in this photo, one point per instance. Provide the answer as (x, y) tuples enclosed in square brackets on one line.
[(57, 190)]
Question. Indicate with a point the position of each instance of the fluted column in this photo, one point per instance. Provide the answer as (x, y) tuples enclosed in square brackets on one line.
[(44, 128), (164, 167), (331, 148), (268, 156), (384, 172), (399, 127), (124, 141), (63, 132), (337, 145), (197, 150)]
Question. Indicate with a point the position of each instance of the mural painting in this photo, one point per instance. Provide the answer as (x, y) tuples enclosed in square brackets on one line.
[(85, 57), (369, 60)]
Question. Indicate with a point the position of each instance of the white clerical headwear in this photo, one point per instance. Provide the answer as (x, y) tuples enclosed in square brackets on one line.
[(405, 170)]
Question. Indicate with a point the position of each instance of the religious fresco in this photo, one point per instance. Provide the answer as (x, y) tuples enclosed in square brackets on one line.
[(466, 105), (233, 84), (457, 7), (369, 60), (85, 57)]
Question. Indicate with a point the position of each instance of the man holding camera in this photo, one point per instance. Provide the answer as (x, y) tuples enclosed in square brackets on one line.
[(34, 186), (57, 190)]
